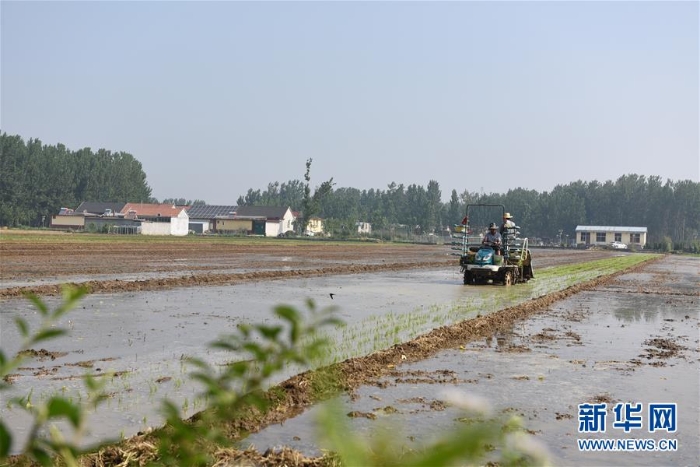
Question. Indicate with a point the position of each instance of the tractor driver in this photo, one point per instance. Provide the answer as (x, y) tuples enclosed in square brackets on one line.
[(493, 238)]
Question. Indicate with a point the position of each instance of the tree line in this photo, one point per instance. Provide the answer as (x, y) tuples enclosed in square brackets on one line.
[(669, 209), (36, 180)]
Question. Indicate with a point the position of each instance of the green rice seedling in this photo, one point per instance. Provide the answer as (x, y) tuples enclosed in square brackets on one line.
[(233, 389), (55, 406)]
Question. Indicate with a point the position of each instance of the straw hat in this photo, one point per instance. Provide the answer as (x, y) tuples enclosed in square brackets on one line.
[(507, 216)]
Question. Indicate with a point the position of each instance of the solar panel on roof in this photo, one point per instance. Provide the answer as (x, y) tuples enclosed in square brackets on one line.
[(210, 212), (266, 211)]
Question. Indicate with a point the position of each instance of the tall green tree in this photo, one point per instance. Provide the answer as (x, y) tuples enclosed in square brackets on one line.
[(668, 210), (454, 209), (433, 215), (311, 204), (36, 180)]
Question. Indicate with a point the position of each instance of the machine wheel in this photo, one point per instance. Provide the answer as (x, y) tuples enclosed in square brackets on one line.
[(468, 278), (508, 278), (528, 272)]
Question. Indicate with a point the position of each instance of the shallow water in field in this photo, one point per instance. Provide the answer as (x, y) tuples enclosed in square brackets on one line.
[(143, 337), (607, 345)]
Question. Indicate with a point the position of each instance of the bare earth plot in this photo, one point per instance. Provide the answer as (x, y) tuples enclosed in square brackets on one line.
[(150, 309)]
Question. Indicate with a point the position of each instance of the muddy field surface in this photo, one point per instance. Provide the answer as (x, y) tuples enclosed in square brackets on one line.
[(632, 339), (147, 316), (123, 266)]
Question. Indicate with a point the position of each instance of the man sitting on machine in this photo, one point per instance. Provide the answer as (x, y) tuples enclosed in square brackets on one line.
[(493, 238)]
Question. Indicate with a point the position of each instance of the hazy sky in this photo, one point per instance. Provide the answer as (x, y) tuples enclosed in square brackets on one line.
[(217, 97)]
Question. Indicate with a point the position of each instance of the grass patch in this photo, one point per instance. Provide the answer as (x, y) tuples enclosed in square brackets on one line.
[(52, 237)]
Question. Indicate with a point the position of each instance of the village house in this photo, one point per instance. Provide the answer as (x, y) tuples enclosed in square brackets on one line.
[(87, 215), (141, 218), (605, 235), (268, 221), (158, 219), (314, 227), (363, 228)]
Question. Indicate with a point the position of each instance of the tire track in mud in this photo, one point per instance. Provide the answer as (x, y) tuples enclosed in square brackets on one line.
[(298, 393)]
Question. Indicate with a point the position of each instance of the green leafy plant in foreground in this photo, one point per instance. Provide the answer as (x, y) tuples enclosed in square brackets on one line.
[(478, 438), (241, 385), (240, 388), (39, 447)]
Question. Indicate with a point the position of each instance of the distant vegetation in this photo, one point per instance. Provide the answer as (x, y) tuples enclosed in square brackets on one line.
[(37, 180), (670, 210), (183, 202)]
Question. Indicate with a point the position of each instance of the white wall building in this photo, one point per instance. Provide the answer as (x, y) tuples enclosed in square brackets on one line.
[(604, 235), (278, 219), (363, 228), (178, 226)]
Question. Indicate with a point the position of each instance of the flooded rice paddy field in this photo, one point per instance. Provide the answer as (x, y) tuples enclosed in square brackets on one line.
[(121, 264), (632, 340), (142, 337), (39, 263)]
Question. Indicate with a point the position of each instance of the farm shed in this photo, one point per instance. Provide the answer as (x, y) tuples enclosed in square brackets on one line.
[(278, 220), (111, 224), (248, 225), (67, 219), (85, 216), (604, 235), (203, 217), (100, 209)]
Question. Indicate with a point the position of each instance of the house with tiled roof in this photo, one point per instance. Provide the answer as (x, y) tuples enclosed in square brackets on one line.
[(158, 219), (133, 218)]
